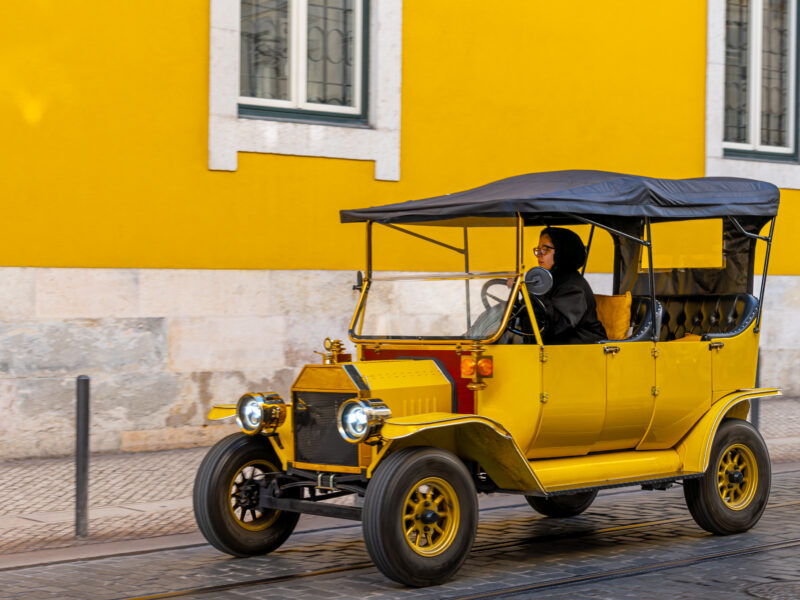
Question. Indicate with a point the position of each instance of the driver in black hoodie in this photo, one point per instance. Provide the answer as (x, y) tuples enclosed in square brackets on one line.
[(569, 305)]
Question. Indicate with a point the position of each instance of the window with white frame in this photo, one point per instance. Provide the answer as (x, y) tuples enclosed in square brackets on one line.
[(304, 69), (760, 111), (303, 56)]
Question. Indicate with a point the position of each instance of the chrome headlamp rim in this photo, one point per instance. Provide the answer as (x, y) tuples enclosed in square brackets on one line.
[(271, 412), (374, 411)]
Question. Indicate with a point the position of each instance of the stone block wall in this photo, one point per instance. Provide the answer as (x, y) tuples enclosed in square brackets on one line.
[(780, 334), (162, 346)]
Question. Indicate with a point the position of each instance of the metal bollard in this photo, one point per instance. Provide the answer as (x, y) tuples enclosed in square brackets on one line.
[(82, 458)]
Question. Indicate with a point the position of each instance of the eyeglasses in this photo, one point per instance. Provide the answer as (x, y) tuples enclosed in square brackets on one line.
[(543, 250)]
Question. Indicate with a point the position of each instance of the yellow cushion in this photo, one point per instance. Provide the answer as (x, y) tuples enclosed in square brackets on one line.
[(689, 337), (614, 313)]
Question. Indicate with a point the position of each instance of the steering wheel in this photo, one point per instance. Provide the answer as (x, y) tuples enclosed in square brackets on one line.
[(485, 295), (519, 318), (518, 311)]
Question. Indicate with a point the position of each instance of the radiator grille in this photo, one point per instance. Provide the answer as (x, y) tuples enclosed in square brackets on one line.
[(316, 437)]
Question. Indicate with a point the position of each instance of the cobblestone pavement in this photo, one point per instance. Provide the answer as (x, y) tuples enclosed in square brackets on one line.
[(130, 496), (625, 529), (148, 494)]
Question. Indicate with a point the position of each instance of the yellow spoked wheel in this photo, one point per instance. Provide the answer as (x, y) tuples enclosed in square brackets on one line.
[(737, 476), (420, 515), (226, 496), (732, 494), (244, 490), (431, 515)]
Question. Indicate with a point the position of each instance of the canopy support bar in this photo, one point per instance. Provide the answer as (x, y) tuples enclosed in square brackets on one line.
[(369, 250), (652, 279), (466, 281), (427, 239), (588, 248), (764, 272), (610, 229), (751, 235)]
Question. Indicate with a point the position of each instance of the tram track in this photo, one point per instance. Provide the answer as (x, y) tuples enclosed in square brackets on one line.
[(629, 572), (189, 546), (589, 577), (788, 468)]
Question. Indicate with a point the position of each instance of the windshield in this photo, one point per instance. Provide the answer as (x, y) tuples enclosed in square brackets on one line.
[(457, 306)]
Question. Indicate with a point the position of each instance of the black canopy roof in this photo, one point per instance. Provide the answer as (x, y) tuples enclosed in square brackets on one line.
[(587, 194)]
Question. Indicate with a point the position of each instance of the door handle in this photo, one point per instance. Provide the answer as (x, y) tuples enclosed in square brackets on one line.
[(611, 349), (715, 345)]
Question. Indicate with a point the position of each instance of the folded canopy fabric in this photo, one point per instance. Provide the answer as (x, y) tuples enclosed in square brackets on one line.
[(587, 194)]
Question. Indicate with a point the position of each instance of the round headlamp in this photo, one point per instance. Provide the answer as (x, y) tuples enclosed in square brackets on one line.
[(254, 412), (359, 420)]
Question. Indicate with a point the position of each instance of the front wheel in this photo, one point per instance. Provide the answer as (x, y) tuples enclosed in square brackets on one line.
[(565, 505), (732, 494), (226, 493), (420, 516)]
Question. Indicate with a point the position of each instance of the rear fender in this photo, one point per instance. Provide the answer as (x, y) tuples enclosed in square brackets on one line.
[(695, 448), (470, 437)]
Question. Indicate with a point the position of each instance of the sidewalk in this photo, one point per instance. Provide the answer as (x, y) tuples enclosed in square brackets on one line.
[(149, 494)]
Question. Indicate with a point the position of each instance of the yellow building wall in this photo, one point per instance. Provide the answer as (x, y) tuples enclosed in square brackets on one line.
[(104, 119)]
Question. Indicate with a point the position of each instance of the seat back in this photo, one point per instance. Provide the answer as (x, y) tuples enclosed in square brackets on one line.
[(709, 316)]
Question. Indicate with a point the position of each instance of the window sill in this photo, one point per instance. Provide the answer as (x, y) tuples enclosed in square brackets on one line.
[(247, 111), (760, 156), (785, 175)]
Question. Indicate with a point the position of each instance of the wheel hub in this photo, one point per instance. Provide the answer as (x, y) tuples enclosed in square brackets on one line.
[(735, 477), (429, 517), (248, 495), (244, 491)]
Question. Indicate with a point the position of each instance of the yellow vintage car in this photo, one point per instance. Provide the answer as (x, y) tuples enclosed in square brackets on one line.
[(453, 392)]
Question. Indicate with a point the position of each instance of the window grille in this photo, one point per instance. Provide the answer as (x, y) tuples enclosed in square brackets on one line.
[(305, 57), (760, 79)]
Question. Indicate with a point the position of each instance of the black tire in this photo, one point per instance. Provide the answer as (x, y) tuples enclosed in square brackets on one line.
[(732, 494), (566, 505), (399, 506), (248, 533)]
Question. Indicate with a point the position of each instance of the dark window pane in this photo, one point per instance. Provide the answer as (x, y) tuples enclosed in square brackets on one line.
[(737, 44), (775, 74), (265, 49), (331, 25)]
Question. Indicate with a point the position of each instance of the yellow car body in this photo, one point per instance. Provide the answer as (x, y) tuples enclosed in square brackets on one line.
[(418, 424), (538, 428)]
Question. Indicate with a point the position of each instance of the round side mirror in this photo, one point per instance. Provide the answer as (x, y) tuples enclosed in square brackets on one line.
[(539, 280)]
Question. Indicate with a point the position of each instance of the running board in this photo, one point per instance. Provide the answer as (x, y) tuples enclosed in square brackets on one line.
[(608, 469)]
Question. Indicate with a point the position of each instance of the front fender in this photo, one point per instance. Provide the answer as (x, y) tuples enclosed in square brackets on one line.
[(470, 437), (695, 448), (221, 411)]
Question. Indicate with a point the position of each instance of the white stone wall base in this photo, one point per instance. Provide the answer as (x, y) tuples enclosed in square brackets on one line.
[(163, 346)]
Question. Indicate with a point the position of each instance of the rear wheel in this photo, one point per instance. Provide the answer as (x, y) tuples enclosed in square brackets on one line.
[(420, 515), (226, 493), (732, 494), (566, 505)]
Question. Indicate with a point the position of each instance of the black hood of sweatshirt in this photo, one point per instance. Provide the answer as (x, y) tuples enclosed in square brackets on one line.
[(570, 253)]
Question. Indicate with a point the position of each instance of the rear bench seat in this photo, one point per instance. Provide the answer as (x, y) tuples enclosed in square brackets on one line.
[(709, 316)]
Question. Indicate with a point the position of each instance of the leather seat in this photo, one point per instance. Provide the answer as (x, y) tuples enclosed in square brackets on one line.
[(709, 316)]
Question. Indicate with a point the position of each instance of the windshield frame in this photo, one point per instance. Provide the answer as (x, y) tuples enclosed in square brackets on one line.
[(357, 321)]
